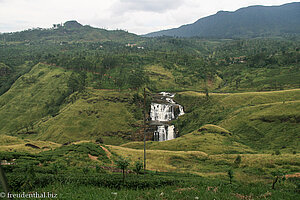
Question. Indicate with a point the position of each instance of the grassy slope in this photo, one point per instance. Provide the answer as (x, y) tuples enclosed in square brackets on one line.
[(262, 120), (10, 143), (253, 166), (269, 126), (25, 101), (262, 79), (161, 77), (177, 79), (210, 142), (97, 113), (80, 116)]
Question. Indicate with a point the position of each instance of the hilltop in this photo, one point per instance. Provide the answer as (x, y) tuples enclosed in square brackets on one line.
[(68, 32)]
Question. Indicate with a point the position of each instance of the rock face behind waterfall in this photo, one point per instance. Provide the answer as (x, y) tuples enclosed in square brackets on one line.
[(163, 110)]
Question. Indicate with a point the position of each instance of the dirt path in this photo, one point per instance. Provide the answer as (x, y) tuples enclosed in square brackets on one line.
[(108, 154), (93, 157), (297, 175)]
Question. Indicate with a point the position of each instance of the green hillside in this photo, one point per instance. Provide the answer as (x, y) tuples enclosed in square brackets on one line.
[(260, 120), (70, 31), (97, 113), (41, 105), (208, 139), (29, 99)]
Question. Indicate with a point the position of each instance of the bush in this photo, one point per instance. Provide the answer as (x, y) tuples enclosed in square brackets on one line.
[(99, 140), (86, 170), (230, 175), (123, 163), (17, 181), (138, 166), (99, 169), (277, 152), (238, 160)]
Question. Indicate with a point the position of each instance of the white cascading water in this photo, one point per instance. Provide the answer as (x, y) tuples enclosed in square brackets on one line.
[(164, 132), (163, 113)]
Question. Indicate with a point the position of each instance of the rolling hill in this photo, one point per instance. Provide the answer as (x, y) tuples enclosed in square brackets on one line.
[(39, 105), (68, 32), (264, 121), (253, 21)]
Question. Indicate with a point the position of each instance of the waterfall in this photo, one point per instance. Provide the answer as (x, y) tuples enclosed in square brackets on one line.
[(163, 111), (164, 132)]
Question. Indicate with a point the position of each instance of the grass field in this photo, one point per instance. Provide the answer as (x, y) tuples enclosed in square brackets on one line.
[(15, 144), (257, 167)]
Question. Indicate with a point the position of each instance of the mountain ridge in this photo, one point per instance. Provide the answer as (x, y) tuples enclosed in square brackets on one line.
[(252, 21)]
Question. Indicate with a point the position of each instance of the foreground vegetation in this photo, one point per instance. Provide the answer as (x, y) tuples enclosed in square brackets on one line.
[(173, 175)]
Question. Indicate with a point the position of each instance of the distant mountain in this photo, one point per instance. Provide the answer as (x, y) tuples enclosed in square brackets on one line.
[(70, 31), (253, 21)]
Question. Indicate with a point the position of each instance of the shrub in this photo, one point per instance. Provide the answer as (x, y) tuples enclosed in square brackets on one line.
[(230, 175), (99, 140), (277, 152), (238, 160), (99, 169), (123, 163), (86, 170), (138, 166)]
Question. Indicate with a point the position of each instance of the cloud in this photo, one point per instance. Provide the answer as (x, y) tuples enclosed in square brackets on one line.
[(156, 6), (137, 16)]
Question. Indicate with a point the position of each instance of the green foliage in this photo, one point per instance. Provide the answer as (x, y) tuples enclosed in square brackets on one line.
[(109, 62), (238, 160), (137, 78), (123, 163), (230, 175), (99, 169), (138, 166), (99, 140), (277, 152), (77, 81)]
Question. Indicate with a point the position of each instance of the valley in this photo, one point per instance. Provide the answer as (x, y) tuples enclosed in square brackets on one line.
[(222, 116)]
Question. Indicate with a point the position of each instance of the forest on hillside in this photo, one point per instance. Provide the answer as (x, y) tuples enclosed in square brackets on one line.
[(258, 64)]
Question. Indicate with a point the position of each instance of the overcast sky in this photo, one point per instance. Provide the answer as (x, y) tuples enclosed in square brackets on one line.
[(136, 16)]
